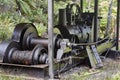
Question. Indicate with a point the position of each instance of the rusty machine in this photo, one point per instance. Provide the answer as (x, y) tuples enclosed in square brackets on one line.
[(77, 40)]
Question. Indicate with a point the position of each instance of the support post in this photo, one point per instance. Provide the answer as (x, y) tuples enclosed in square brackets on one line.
[(81, 5), (50, 38), (118, 24), (95, 20)]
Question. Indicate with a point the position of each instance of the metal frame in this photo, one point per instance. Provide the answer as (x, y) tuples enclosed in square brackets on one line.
[(118, 24)]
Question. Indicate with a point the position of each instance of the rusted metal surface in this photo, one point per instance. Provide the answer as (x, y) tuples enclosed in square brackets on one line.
[(26, 35), (13, 54), (37, 56)]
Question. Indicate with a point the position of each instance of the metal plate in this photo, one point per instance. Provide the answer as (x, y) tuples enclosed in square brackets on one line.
[(30, 66), (27, 72)]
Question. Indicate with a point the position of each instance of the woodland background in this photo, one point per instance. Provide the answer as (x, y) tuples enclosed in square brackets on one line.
[(13, 12)]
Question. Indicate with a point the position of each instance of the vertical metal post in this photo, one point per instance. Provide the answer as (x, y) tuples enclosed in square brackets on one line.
[(118, 24), (95, 20), (50, 38), (81, 5), (62, 17)]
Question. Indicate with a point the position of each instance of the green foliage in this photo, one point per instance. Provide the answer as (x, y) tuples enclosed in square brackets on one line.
[(10, 78), (116, 77), (35, 11), (103, 11), (25, 7), (31, 11), (5, 1)]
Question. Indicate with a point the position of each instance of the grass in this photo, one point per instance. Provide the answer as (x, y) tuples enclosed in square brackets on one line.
[(3, 77), (87, 76), (110, 71)]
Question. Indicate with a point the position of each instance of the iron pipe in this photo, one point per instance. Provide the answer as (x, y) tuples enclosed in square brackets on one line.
[(35, 41), (62, 17), (95, 20), (118, 25)]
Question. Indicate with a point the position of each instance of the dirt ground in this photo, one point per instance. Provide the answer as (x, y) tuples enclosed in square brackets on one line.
[(110, 71)]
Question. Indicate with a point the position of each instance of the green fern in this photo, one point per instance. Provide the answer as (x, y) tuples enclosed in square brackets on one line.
[(25, 7)]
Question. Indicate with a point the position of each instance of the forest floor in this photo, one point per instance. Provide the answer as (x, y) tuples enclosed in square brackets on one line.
[(110, 71)]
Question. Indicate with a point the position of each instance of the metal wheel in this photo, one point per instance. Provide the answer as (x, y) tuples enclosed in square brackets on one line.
[(21, 33), (6, 49), (56, 39), (39, 55)]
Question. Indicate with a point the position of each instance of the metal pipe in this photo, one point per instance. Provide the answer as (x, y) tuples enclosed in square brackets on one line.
[(50, 38), (62, 17), (95, 20), (118, 21), (81, 5), (35, 41)]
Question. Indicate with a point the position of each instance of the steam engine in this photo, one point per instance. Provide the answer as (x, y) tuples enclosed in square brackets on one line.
[(75, 25), (26, 47)]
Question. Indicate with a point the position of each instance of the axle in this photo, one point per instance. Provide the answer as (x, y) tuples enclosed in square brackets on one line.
[(35, 41)]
